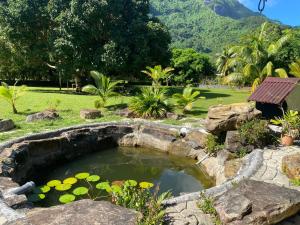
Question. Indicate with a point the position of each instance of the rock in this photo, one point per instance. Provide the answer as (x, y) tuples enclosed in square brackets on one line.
[(174, 116), (125, 113), (90, 113), (291, 166), (232, 167), (198, 137), (83, 212), (269, 203), (222, 118), (6, 125), (233, 141), (45, 115)]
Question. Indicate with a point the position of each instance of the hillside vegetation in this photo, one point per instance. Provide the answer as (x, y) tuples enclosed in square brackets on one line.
[(205, 25)]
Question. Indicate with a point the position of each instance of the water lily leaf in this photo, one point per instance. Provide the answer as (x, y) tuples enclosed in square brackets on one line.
[(41, 189), (63, 187), (70, 180), (131, 183), (53, 183), (93, 178), (116, 189), (82, 176), (80, 191), (36, 197), (67, 198), (104, 186), (146, 185)]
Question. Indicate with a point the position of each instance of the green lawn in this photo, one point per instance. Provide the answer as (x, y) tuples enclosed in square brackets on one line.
[(39, 99)]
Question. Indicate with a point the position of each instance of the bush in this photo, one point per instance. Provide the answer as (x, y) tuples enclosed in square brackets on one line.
[(151, 103), (256, 133), (213, 145)]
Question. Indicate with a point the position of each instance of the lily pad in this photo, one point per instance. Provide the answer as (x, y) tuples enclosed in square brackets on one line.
[(116, 189), (63, 187), (130, 183), (36, 197), (93, 178), (80, 191), (146, 185), (53, 183), (70, 180), (104, 186), (41, 189), (67, 198), (82, 176)]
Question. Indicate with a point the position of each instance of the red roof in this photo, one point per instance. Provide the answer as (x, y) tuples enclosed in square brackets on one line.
[(274, 90)]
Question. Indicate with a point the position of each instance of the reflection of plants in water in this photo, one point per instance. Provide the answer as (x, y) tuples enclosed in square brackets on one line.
[(129, 194)]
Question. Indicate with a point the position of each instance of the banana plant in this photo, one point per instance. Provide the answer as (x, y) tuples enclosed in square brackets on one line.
[(295, 68), (12, 94)]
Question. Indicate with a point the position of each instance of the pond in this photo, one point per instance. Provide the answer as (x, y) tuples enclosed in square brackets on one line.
[(170, 173)]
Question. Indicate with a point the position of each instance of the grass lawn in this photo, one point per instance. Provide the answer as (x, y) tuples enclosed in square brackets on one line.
[(39, 99)]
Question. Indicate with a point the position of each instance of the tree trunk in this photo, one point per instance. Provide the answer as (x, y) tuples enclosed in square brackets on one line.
[(59, 80), (14, 108), (77, 83)]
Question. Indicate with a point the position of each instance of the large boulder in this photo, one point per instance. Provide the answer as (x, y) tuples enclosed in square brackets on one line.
[(233, 141), (291, 166), (222, 118), (83, 212), (6, 125), (45, 115), (257, 203), (90, 113)]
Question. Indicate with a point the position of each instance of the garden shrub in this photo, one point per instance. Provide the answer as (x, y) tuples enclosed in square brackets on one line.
[(256, 133), (213, 145)]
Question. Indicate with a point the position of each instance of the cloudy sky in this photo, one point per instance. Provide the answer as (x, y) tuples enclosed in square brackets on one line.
[(286, 11)]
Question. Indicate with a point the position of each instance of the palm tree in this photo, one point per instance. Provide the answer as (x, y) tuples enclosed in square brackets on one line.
[(225, 61), (295, 68), (187, 98), (12, 94), (105, 88), (253, 60), (157, 74)]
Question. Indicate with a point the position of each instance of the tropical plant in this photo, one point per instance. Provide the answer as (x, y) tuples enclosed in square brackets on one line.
[(295, 68), (290, 123), (151, 103), (158, 74), (12, 94), (212, 145), (187, 98), (105, 88), (224, 61)]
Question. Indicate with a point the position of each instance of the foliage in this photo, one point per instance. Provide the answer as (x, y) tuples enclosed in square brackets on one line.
[(212, 145), (206, 205), (295, 182), (151, 103), (158, 74), (187, 98), (256, 133), (12, 94), (105, 88), (55, 39), (196, 24), (290, 123), (242, 152), (190, 66), (295, 68), (253, 60)]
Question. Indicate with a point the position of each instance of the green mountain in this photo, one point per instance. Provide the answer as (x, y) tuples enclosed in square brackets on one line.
[(205, 25)]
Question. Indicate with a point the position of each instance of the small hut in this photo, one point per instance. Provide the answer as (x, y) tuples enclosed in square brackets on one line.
[(277, 95)]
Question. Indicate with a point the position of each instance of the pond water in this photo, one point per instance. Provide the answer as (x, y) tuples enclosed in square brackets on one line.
[(171, 173)]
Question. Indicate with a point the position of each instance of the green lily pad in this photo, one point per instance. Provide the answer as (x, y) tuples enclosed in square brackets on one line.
[(63, 187), (116, 189), (93, 178), (53, 183), (104, 186), (67, 198), (36, 197), (82, 176), (70, 180), (146, 185), (41, 189), (130, 183), (80, 191)]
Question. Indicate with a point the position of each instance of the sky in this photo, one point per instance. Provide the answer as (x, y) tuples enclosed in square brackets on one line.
[(286, 11)]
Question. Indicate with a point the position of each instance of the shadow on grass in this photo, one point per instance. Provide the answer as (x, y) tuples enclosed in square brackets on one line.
[(63, 92), (196, 112), (117, 106), (208, 94)]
